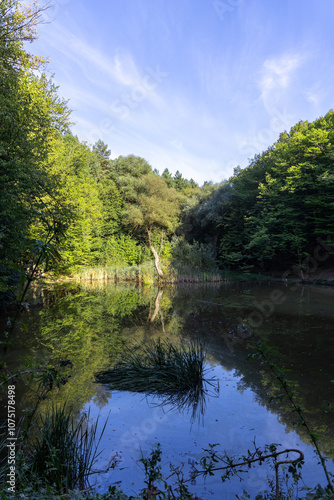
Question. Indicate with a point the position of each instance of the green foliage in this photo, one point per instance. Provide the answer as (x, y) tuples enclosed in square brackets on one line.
[(18, 25), (101, 168), (155, 205), (153, 209), (203, 214), (121, 251), (127, 173), (234, 232), (167, 176), (112, 205), (179, 183), (74, 205), (46, 174), (30, 114)]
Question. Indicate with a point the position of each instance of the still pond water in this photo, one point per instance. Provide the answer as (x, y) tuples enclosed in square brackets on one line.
[(92, 324)]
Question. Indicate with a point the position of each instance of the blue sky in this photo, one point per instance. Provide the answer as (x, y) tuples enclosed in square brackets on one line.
[(198, 86)]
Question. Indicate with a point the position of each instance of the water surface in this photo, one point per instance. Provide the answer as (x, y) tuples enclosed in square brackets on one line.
[(91, 325)]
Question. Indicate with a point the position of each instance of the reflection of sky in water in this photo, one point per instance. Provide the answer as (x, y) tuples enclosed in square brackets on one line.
[(91, 327), (233, 419)]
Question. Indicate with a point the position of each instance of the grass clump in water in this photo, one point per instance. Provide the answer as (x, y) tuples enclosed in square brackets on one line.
[(175, 372)]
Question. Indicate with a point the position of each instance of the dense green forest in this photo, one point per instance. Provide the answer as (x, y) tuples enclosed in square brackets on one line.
[(69, 205)]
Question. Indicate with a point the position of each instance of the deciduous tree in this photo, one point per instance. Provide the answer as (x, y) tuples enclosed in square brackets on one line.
[(154, 209)]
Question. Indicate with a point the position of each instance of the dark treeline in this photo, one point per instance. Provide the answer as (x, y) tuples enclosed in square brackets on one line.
[(76, 207)]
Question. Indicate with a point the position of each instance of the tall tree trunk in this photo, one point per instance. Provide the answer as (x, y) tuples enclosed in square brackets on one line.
[(156, 255)]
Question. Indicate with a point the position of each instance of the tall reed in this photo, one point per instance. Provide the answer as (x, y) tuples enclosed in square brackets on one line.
[(64, 450), (146, 274), (139, 274)]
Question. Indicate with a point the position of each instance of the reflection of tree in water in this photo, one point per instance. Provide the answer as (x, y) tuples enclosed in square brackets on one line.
[(269, 394), (82, 325), (316, 403), (101, 397), (93, 326), (229, 342), (157, 310)]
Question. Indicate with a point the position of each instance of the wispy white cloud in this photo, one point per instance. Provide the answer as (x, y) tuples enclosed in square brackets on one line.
[(221, 93), (125, 70), (168, 130), (313, 97), (277, 73), (162, 148), (117, 71)]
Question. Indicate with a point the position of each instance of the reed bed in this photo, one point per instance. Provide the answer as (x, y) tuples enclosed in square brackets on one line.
[(138, 274), (146, 274)]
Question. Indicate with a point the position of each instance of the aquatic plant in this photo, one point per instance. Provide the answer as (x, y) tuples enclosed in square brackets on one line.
[(161, 368), (154, 477), (64, 450)]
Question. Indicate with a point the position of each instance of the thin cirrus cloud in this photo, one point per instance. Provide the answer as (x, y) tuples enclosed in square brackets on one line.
[(112, 94), (100, 69), (184, 87), (277, 75)]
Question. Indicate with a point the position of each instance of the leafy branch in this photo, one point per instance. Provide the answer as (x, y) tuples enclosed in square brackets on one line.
[(234, 467)]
